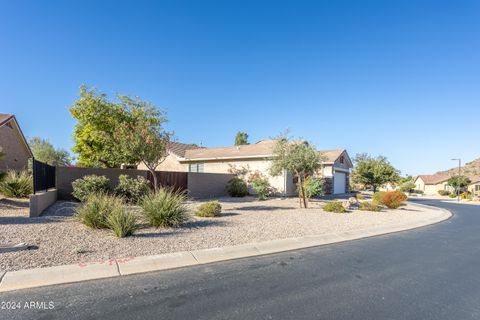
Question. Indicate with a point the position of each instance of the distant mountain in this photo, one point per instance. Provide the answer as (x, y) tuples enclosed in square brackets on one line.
[(469, 169)]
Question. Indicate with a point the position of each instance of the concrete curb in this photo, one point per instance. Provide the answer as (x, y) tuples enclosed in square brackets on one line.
[(30, 278)]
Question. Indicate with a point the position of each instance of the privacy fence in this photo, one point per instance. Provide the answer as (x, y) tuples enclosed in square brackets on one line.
[(197, 184), (44, 176)]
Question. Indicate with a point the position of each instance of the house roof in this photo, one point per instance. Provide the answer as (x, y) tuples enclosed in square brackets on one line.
[(433, 178), (179, 149), (474, 179), (6, 118), (261, 149)]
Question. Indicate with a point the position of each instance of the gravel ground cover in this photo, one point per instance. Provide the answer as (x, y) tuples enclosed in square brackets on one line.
[(57, 238)]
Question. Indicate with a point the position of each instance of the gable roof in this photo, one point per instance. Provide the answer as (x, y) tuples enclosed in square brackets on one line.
[(433, 178), (258, 150), (179, 149), (474, 179), (7, 118), (261, 149)]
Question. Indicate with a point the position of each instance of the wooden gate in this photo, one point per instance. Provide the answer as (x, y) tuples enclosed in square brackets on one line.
[(171, 179)]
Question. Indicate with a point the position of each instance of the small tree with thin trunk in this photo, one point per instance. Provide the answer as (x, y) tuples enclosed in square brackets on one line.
[(298, 158), (373, 172), (241, 138), (458, 183)]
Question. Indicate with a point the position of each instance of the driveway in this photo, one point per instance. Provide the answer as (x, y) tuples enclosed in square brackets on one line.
[(426, 273)]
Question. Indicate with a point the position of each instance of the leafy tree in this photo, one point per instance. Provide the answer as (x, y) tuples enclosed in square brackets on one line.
[(297, 157), (109, 134), (44, 151), (373, 172), (241, 138), (458, 183), (142, 138), (407, 186)]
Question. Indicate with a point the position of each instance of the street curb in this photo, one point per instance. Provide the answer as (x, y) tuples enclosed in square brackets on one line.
[(39, 277)]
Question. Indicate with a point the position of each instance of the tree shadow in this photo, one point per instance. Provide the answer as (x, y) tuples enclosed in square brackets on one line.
[(13, 204), (24, 220), (263, 208)]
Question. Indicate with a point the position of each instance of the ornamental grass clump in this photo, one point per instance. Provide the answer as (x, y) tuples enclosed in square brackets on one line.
[(209, 209), (369, 206), (97, 208), (16, 184), (165, 208), (334, 206), (123, 223)]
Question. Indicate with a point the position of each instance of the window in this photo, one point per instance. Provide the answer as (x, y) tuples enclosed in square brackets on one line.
[(342, 159), (196, 167), (477, 187)]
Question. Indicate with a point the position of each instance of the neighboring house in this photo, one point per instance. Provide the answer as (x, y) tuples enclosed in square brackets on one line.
[(176, 151), (389, 186), (258, 158), (474, 186), (431, 184), (13, 144)]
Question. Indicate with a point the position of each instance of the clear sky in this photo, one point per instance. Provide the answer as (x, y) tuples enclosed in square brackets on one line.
[(396, 78)]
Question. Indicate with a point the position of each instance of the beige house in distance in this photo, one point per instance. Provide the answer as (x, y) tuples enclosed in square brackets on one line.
[(431, 184), (176, 150), (258, 157), (474, 186), (13, 144)]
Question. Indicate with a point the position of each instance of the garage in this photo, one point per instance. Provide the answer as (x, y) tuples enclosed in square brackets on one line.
[(339, 182)]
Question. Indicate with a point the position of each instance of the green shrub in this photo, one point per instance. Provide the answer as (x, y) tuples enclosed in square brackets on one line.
[(313, 187), (236, 187), (444, 192), (416, 191), (261, 185), (132, 190), (165, 208), (359, 196), (88, 185), (16, 184), (97, 208), (123, 223), (466, 196), (334, 206), (209, 209), (378, 197), (452, 195), (369, 206)]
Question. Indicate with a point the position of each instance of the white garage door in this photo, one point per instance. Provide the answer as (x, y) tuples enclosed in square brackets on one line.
[(339, 182)]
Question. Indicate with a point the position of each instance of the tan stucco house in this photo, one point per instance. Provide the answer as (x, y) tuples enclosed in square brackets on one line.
[(13, 144), (258, 157), (474, 186), (431, 184)]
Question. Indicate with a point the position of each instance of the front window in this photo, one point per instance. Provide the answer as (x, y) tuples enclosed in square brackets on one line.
[(477, 187), (196, 167)]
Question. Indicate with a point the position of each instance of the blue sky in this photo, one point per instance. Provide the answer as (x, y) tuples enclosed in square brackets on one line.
[(396, 78)]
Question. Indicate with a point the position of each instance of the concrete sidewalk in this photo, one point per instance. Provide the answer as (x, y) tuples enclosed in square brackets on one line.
[(30, 278)]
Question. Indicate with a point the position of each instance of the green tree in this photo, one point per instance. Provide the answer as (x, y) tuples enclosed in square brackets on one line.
[(297, 157), (373, 172), (143, 136), (112, 133), (407, 186), (241, 138), (458, 183), (44, 151)]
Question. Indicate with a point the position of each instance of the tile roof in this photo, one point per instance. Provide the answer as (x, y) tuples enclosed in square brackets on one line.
[(179, 149), (434, 178), (263, 148), (474, 179)]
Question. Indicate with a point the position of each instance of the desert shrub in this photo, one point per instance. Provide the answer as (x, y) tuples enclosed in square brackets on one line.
[(132, 189), (465, 195), (165, 208), (334, 206), (261, 185), (393, 199), (444, 192), (209, 209), (16, 184), (236, 187), (123, 223), (378, 197), (407, 186), (313, 187), (97, 208), (359, 196), (88, 185), (369, 206), (416, 191), (452, 195)]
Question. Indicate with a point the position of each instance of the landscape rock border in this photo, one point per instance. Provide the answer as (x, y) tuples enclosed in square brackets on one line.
[(30, 278)]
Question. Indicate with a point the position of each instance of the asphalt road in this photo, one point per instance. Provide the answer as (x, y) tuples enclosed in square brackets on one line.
[(427, 273)]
